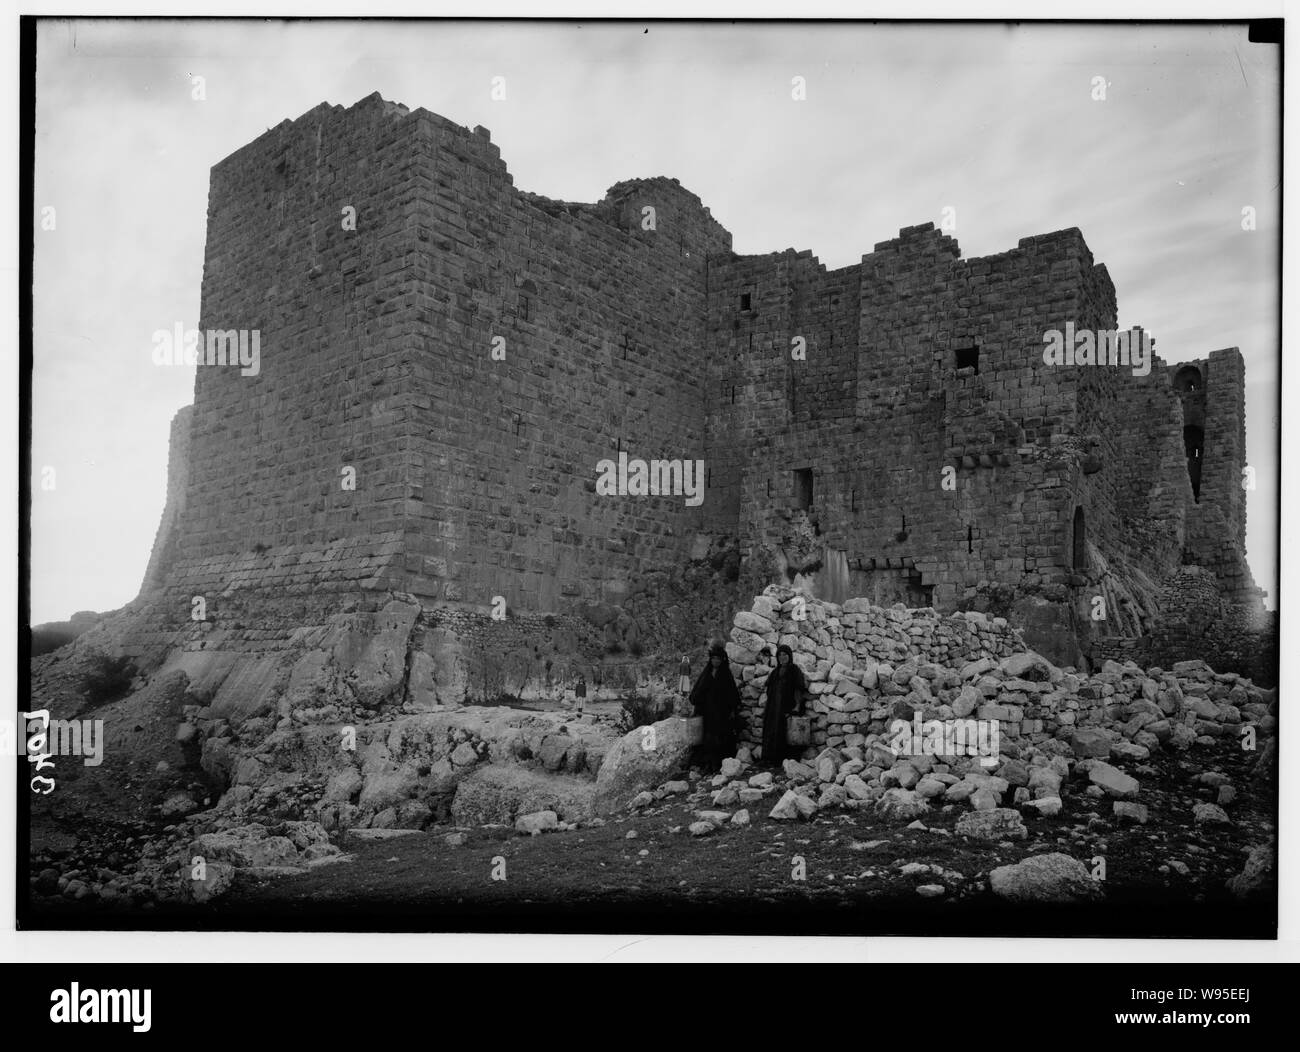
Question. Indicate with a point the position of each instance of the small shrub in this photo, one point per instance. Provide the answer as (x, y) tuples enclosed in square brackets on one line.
[(107, 679), (640, 710)]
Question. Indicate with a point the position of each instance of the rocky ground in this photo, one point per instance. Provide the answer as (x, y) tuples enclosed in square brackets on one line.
[(1126, 802), (1179, 871)]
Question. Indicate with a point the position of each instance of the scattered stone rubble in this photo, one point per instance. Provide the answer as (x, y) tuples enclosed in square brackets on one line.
[(1065, 737), (1070, 745)]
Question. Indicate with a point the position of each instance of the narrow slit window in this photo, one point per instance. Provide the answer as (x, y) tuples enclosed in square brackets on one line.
[(1194, 445)]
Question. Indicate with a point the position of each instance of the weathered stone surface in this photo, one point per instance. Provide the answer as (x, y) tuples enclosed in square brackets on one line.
[(387, 785), (500, 792), (536, 822), (753, 622), (1028, 666), (1045, 778), (793, 806), (1258, 878), (716, 817), (1044, 806), (930, 787), (464, 755), (245, 846), (630, 766), (217, 879), (1133, 812), (856, 787), (1129, 751), (901, 805), (343, 785), (1050, 878), (178, 805), (999, 824), (1114, 781), (798, 772), (1090, 742), (1210, 814)]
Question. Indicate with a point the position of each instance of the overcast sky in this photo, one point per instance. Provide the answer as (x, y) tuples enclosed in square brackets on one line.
[(900, 122)]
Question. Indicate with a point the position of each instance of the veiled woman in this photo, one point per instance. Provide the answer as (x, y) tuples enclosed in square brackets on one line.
[(716, 698), (787, 694)]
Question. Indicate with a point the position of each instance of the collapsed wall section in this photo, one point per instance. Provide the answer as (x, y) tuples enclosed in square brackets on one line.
[(860, 660)]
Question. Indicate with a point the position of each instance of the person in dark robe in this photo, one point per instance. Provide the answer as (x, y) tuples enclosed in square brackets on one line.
[(716, 698), (787, 694)]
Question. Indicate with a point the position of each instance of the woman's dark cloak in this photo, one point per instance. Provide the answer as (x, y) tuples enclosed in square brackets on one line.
[(787, 688), (717, 699)]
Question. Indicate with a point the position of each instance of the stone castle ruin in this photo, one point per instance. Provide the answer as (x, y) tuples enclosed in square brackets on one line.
[(465, 468), (447, 360)]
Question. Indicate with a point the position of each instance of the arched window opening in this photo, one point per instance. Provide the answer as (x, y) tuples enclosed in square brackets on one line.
[(1188, 379), (1080, 546)]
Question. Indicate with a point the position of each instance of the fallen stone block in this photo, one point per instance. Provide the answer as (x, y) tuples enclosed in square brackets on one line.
[(1113, 781), (999, 824), (1054, 878), (901, 804), (1133, 812), (537, 822)]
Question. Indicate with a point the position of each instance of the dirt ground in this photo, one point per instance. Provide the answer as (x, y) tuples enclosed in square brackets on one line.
[(841, 873)]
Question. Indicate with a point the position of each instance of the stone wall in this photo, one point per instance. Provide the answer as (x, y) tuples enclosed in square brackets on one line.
[(167, 539), (1198, 621), (870, 667), (445, 359), (860, 658)]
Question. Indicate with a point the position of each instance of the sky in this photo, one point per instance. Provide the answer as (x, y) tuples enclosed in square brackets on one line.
[(999, 123)]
